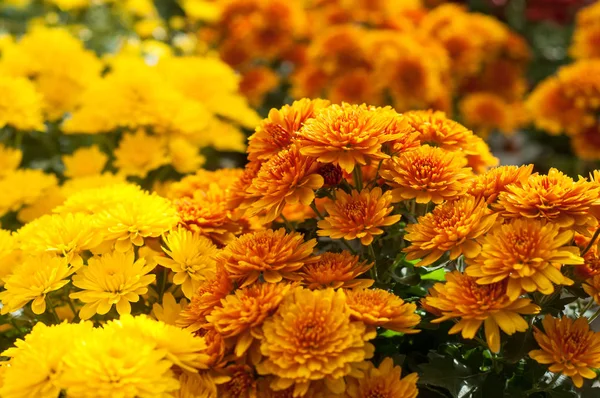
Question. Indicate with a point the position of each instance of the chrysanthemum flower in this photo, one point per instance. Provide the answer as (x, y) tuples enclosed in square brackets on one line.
[(91, 196), (10, 158), (205, 299), (23, 187), (139, 216), (591, 259), (274, 254), (358, 215), (452, 226), (297, 179), (436, 129), (216, 348), (481, 158), (378, 308), (336, 270), (191, 258), (257, 82), (317, 324), (462, 297), (242, 314), (184, 155), (202, 180), (10, 254), (347, 135), (384, 382), (236, 194), (111, 279), (84, 162), (592, 287), (33, 280), (181, 346), (242, 382), (569, 347), (554, 197), (279, 129), (529, 253), (485, 112), (489, 184), (428, 174), (21, 105), (169, 310), (139, 153), (194, 385)]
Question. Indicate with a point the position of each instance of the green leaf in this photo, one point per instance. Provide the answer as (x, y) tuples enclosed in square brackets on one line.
[(493, 387), (437, 275), (391, 333), (518, 345), (450, 374)]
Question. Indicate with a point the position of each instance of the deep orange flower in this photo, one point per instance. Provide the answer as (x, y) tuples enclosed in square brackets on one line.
[(216, 348), (336, 270), (242, 313), (384, 382), (288, 177), (591, 259), (436, 129), (485, 112), (257, 82), (378, 308), (586, 144), (202, 181), (358, 215), (569, 346), (236, 194), (554, 197), (273, 254), (462, 297), (279, 129), (452, 226), (480, 157), (489, 184), (311, 337), (242, 383), (348, 134), (428, 174)]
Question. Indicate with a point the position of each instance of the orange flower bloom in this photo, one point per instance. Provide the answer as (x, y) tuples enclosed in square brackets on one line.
[(378, 308), (257, 82), (486, 112), (592, 287), (236, 194), (586, 145), (554, 197), (462, 297), (480, 157), (491, 183), (277, 131), (202, 181), (529, 253), (384, 382), (216, 349), (242, 314), (315, 323), (241, 385), (436, 129), (428, 174), (569, 346), (348, 134), (591, 259), (273, 254), (358, 215), (336, 270)]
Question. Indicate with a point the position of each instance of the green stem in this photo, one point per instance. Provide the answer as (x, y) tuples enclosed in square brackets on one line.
[(287, 223), (373, 271), (50, 306), (593, 317), (592, 241), (347, 245), (313, 206), (357, 174), (18, 139), (587, 307), (162, 285)]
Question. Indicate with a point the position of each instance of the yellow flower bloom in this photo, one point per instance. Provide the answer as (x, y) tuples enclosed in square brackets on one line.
[(10, 158), (185, 157), (358, 215), (33, 280), (452, 226), (169, 311), (20, 105), (197, 385), (462, 297), (316, 323), (138, 153), (569, 347), (10, 254), (85, 162), (191, 258), (24, 187), (89, 198), (336, 270), (111, 279), (384, 382)]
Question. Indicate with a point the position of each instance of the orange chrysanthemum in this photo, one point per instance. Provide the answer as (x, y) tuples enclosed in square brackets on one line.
[(242, 383), (202, 181), (436, 129), (569, 346), (485, 112), (462, 297), (592, 287), (480, 158), (428, 174), (348, 135), (242, 314), (310, 338), (358, 215), (279, 129), (273, 254), (378, 308), (529, 253), (207, 297), (288, 177), (236, 194), (216, 348), (591, 259), (336, 270), (491, 183), (453, 226), (384, 382), (554, 197)]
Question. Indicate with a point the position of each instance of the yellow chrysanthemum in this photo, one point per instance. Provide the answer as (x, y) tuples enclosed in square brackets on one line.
[(452, 226), (489, 184), (384, 382), (85, 162), (169, 310), (191, 258), (111, 279), (378, 308), (21, 104), (33, 280), (10, 254), (317, 324), (462, 297), (139, 153), (10, 158), (427, 174), (197, 385), (336, 270), (358, 215), (529, 253), (348, 135), (45, 204), (242, 314), (184, 156), (273, 254), (93, 196), (24, 187), (569, 347)]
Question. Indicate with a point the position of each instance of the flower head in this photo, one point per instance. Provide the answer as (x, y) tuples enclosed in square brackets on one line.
[(462, 297), (384, 381), (489, 184), (168, 311), (452, 226), (21, 105), (358, 215), (85, 162), (336, 270), (569, 347), (486, 112), (10, 158), (436, 129), (242, 382), (138, 153)]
